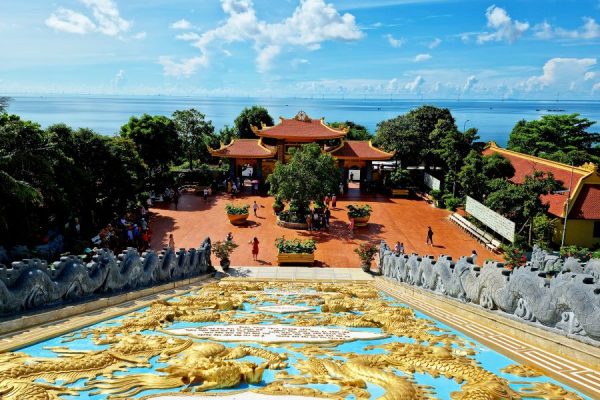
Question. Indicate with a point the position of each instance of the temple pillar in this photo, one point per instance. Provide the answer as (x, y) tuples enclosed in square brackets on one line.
[(232, 165), (368, 175), (258, 173), (280, 151)]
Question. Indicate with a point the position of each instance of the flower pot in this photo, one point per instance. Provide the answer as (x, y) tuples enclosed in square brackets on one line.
[(361, 221), (225, 263), (295, 258), (366, 268), (237, 219)]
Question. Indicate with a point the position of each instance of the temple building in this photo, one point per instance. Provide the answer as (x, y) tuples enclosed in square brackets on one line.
[(273, 143), (579, 202)]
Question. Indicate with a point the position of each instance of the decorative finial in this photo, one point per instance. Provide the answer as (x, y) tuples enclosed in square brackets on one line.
[(301, 116), (590, 166)]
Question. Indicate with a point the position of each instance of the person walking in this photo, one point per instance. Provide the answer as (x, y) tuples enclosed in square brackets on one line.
[(229, 237), (308, 219), (334, 201), (205, 194), (327, 217), (254, 242), (351, 226), (429, 236), (171, 241), (255, 208), (326, 200), (474, 256)]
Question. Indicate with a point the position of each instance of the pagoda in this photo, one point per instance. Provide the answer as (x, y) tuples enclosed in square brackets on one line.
[(273, 143)]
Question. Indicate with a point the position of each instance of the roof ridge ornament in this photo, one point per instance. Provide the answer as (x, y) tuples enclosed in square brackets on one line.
[(590, 166), (302, 116)]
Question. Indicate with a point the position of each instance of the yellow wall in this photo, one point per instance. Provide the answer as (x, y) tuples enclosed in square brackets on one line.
[(580, 232)]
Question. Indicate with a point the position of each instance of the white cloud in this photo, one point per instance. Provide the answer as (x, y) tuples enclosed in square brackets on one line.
[(185, 67), (312, 23), (504, 27), (422, 57), (119, 77), (435, 43), (182, 24), (471, 81), (589, 76), (107, 19), (596, 87), (415, 85), (140, 36), (395, 42), (562, 74), (589, 30)]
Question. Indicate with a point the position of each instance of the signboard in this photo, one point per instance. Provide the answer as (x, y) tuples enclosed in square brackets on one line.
[(496, 222), (431, 182)]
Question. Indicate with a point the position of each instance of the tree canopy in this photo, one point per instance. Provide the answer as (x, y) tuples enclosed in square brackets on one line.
[(156, 140), (309, 175), (478, 174), (413, 136), (195, 133), (253, 116), (355, 131), (4, 104), (562, 138)]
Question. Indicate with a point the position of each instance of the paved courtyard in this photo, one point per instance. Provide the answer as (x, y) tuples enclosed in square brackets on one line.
[(395, 219)]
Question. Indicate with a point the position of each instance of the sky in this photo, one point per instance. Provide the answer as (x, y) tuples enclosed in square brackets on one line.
[(441, 49)]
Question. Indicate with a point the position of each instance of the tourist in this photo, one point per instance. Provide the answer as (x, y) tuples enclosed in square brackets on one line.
[(398, 248), (334, 201), (429, 236), (308, 219), (341, 188), (255, 208), (254, 242), (401, 248), (351, 225), (229, 237), (326, 200), (171, 241), (316, 221), (351, 177), (327, 217), (474, 256), (145, 239), (205, 194)]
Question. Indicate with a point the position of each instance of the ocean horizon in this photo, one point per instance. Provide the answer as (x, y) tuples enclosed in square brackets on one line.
[(107, 113)]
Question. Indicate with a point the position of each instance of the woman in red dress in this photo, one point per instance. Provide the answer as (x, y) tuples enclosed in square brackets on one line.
[(254, 243)]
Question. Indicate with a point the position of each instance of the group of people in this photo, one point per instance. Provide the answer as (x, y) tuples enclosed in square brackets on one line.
[(129, 230)]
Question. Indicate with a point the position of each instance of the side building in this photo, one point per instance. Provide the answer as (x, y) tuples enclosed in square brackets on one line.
[(580, 202)]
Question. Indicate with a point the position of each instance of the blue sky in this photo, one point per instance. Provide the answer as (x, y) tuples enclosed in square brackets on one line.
[(524, 49)]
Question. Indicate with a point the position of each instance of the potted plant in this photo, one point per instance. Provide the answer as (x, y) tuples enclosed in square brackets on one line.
[(366, 252), (222, 250), (361, 214), (295, 251), (400, 180), (278, 205), (237, 214)]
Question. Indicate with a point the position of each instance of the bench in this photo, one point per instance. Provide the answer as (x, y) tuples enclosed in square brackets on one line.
[(400, 192), (481, 236)]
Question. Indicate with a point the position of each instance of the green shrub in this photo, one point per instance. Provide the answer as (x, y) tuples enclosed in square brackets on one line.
[(400, 178), (436, 194), (358, 211), (289, 216), (366, 252), (451, 202), (233, 209), (286, 246), (581, 253), (223, 249)]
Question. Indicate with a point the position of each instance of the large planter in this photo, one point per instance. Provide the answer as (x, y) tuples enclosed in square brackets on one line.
[(237, 219), (361, 221), (295, 258), (292, 225)]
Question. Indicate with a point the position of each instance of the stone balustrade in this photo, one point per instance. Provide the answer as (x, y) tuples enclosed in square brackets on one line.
[(33, 283), (562, 295)]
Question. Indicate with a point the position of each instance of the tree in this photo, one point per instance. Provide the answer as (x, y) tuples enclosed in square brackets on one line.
[(195, 134), (562, 138), (309, 175), (253, 116), (227, 134), (412, 135), (355, 131), (155, 138), (4, 104), (480, 174)]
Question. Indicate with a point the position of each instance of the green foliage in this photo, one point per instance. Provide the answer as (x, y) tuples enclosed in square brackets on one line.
[(291, 216), (436, 194), (355, 131), (521, 202), (412, 135), (454, 146), (581, 253), (288, 246), (223, 249), (195, 134), (358, 211), (563, 138), (309, 175), (233, 209), (480, 174), (514, 256), (400, 178), (596, 255), (254, 116), (4, 101), (227, 134), (542, 230), (156, 140), (366, 252), (451, 202)]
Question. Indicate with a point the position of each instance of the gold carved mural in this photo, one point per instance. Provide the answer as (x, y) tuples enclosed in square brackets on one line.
[(190, 366)]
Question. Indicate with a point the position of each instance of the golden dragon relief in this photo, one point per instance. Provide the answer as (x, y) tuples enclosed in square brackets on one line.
[(188, 366)]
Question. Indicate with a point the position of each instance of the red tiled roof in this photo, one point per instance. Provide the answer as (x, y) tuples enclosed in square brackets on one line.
[(587, 205), (525, 164), (300, 130), (244, 148), (354, 149)]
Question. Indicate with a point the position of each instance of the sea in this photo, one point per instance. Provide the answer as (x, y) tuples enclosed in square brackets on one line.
[(106, 114)]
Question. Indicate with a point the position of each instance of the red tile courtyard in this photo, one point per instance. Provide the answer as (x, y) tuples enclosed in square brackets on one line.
[(392, 219)]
